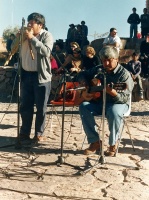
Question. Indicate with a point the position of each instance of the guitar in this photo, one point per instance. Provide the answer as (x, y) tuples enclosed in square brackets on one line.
[(94, 91)]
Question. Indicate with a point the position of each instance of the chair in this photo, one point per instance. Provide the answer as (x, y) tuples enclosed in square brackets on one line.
[(125, 116), (72, 98)]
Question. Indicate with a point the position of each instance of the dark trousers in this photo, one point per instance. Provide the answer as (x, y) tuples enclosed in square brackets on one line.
[(33, 93)]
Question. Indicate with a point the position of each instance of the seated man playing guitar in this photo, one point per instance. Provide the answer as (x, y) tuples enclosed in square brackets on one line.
[(116, 100)]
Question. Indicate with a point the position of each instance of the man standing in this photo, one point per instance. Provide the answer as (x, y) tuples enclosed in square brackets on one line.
[(112, 39), (144, 18), (133, 20), (84, 28), (35, 76)]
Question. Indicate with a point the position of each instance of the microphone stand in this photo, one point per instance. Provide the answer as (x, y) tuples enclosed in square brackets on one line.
[(18, 142), (61, 158), (102, 157)]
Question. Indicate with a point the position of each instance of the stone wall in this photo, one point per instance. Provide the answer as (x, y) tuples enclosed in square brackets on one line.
[(128, 46), (6, 79)]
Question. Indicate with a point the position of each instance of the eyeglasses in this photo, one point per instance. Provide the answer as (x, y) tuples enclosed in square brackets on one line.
[(72, 46), (115, 32)]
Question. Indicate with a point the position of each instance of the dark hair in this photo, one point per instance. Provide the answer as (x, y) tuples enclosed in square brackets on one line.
[(12, 35), (78, 50), (135, 54), (82, 22), (38, 18), (112, 29), (60, 44)]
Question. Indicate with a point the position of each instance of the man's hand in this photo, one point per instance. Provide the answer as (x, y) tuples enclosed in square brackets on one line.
[(29, 34), (111, 91)]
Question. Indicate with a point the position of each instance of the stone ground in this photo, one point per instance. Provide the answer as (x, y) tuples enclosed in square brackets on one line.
[(32, 173)]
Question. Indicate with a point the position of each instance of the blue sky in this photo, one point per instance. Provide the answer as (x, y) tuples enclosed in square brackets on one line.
[(99, 15)]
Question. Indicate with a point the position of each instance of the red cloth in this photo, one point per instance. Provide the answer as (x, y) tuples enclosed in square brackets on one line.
[(54, 64)]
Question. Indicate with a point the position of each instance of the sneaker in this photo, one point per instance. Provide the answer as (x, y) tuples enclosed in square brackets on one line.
[(93, 148), (111, 151)]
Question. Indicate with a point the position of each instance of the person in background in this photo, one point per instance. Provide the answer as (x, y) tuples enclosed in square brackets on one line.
[(84, 29), (112, 39), (133, 20), (144, 19), (59, 53), (9, 42), (144, 56), (73, 63), (90, 59), (116, 102), (35, 77), (79, 35), (70, 35), (72, 46), (134, 67)]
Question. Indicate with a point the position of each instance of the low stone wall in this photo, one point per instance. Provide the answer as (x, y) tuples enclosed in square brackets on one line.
[(6, 79)]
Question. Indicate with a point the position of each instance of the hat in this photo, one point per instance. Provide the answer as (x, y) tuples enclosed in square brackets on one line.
[(72, 25)]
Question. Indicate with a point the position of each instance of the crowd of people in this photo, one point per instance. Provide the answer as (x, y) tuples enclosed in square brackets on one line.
[(134, 19), (82, 64), (77, 34)]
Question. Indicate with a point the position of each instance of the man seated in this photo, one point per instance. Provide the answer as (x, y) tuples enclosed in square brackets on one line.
[(112, 39), (134, 67), (116, 101)]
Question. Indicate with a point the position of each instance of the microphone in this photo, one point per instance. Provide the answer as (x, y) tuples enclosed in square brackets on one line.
[(100, 71)]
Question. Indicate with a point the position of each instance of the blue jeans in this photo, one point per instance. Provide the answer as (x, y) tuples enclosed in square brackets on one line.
[(32, 92), (114, 114), (133, 30)]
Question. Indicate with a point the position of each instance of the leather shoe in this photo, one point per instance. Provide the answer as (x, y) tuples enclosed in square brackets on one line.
[(111, 150), (93, 148), (39, 138)]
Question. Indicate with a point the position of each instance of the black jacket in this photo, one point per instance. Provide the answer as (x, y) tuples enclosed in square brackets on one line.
[(133, 19)]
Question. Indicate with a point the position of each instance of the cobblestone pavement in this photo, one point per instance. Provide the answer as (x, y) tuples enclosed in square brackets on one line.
[(32, 173)]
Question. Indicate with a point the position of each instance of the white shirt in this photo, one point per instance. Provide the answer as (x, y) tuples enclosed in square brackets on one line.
[(27, 63), (112, 40)]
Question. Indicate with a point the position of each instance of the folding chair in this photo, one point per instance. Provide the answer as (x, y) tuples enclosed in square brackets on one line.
[(124, 122), (72, 99)]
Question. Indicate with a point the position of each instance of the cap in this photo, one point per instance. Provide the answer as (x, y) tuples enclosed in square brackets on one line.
[(71, 25)]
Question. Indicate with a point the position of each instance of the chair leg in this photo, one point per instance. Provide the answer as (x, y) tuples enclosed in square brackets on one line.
[(128, 132), (83, 142), (120, 136), (130, 136), (71, 120)]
